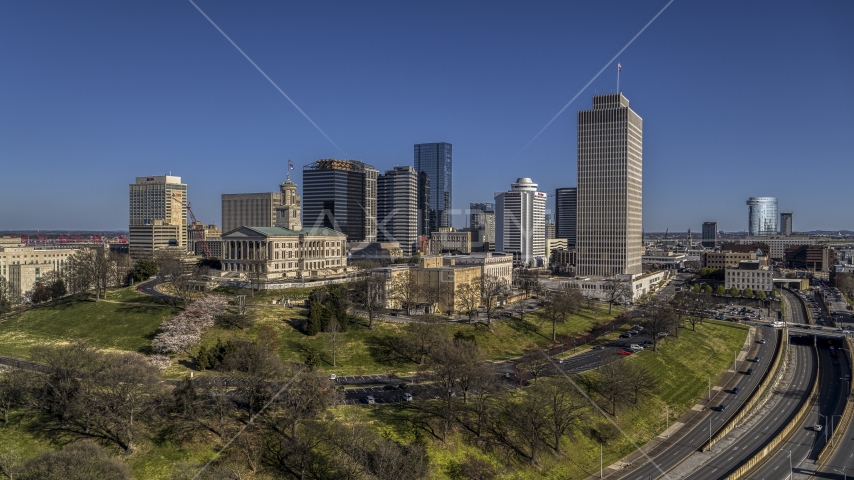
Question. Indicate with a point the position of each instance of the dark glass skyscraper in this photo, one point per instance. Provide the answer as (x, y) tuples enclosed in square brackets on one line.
[(434, 160), (566, 207), (341, 195)]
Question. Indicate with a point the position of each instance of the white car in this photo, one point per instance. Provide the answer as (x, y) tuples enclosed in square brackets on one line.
[(370, 400), (816, 427), (407, 397)]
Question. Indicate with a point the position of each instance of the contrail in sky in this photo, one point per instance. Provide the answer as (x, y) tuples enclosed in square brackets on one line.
[(268, 78), (594, 77)]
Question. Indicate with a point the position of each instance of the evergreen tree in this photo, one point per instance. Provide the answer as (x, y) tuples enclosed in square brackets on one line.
[(315, 314)]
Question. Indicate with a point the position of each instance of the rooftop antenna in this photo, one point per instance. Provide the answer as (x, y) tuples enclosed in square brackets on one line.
[(619, 67)]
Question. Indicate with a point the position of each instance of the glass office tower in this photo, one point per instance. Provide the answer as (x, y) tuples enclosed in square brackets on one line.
[(566, 207), (762, 216), (434, 161)]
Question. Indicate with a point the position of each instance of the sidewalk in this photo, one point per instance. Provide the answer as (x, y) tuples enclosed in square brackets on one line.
[(677, 430)]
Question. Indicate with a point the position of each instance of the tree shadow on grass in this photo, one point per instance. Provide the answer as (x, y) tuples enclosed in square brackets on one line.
[(385, 349)]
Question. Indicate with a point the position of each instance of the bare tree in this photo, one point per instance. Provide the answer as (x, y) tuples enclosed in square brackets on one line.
[(641, 380), (405, 291), (492, 290), (617, 292), (13, 392), (419, 339), (534, 362), (559, 304), (612, 383), (369, 294), (122, 265), (659, 320), (333, 334), (6, 299), (565, 408), (468, 299)]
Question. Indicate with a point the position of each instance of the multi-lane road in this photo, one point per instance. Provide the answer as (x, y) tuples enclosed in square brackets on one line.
[(674, 451), (806, 442), (794, 395)]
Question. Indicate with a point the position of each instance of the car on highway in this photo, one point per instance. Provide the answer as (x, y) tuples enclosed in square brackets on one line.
[(626, 335), (756, 359), (506, 314), (599, 347), (836, 363), (735, 390), (624, 352), (720, 407), (370, 400), (816, 427), (633, 332), (333, 377), (847, 377), (749, 371), (763, 341)]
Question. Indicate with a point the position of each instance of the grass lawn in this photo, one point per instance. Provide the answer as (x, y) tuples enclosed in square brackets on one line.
[(129, 325), (360, 350), (682, 367)]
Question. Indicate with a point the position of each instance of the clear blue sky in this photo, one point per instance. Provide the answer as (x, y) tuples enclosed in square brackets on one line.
[(738, 99)]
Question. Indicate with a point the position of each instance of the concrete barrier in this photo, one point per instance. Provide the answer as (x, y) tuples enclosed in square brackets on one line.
[(795, 422), (766, 381), (847, 412)]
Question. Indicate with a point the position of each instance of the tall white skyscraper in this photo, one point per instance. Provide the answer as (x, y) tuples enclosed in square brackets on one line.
[(520, 222), (609, 236)]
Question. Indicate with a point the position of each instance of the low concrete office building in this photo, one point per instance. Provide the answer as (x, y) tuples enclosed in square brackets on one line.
[(638, 284), (664, 260), (380, 252), (779, 243), (496, 265), (24, 266), (145, 240), (749, 274), (721, 260), (440, 275)]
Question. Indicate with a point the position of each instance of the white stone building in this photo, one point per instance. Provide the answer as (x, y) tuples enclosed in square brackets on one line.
[(520, 223)]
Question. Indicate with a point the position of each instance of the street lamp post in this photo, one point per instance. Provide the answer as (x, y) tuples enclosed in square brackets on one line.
[(844, 477), (791, 470), (668, 420), (825, 426)]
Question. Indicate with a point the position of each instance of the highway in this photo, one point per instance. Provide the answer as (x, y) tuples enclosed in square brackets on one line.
[(843, 459), (679, 448), (748, 445), (806, 443)]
